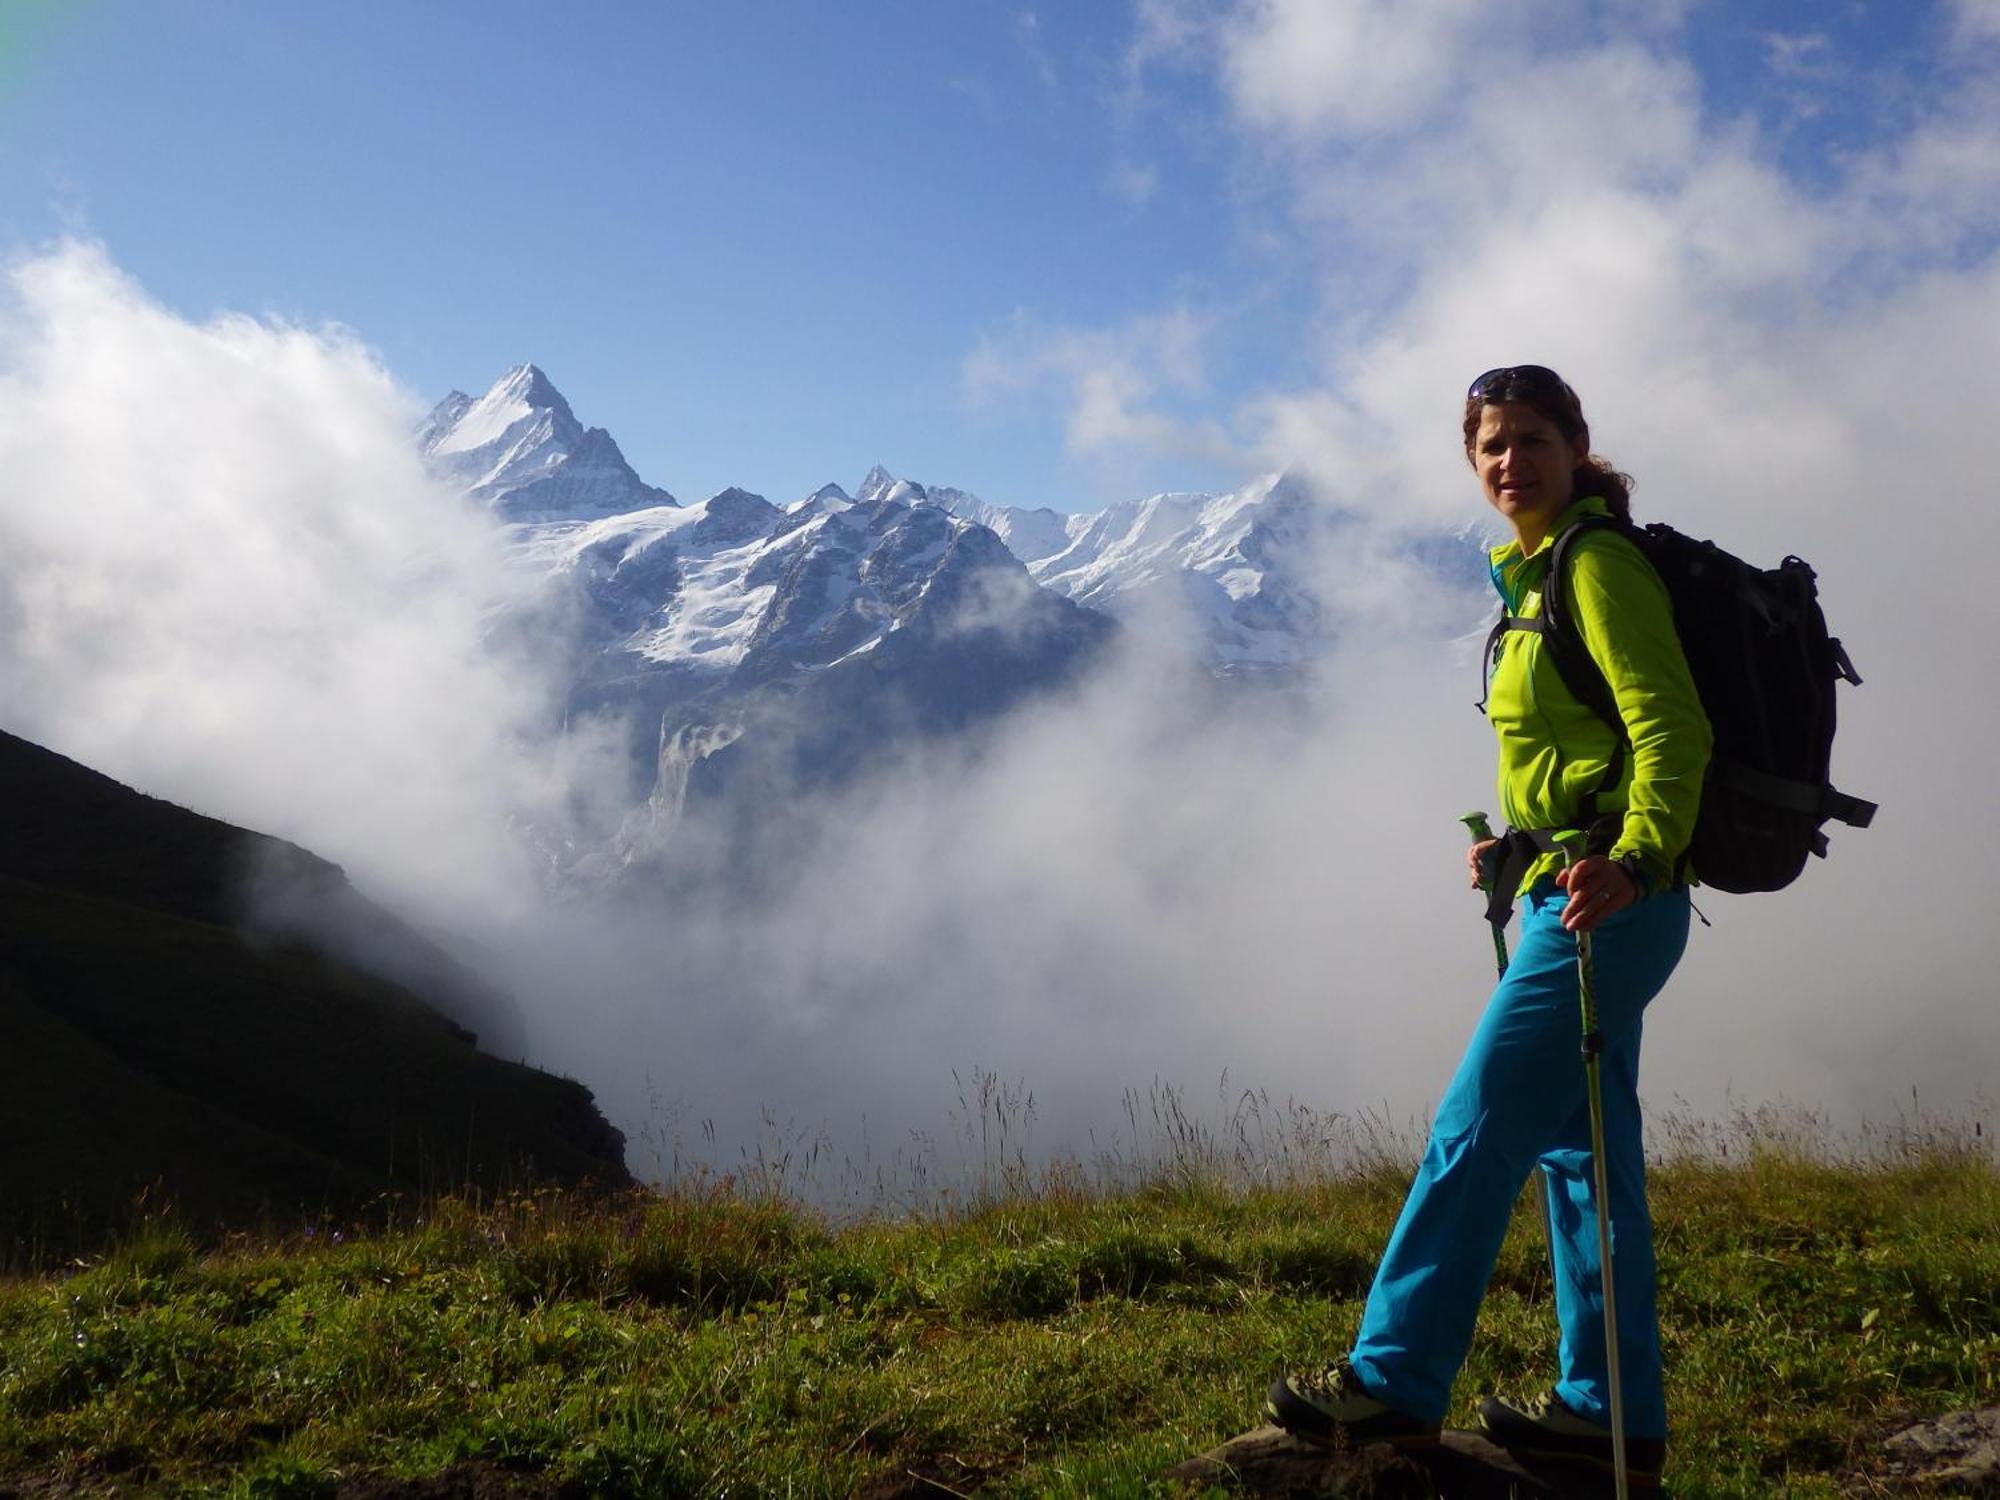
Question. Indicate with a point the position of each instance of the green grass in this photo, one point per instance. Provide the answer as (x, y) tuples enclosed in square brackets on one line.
[(1065, 1342)]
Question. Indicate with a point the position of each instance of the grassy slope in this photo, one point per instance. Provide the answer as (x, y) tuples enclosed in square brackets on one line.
[(1061, 1344)]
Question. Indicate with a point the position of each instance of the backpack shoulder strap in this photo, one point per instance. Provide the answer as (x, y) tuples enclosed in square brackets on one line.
[(1563, 638)]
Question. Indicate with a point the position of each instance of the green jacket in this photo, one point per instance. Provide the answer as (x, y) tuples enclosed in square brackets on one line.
[(1553, 750)]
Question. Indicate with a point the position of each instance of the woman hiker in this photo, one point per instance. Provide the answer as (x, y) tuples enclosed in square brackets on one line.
[(1518, 1100)]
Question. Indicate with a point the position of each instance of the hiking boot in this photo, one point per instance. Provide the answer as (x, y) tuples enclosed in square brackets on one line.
[(1330, 1407), (1543, 1427)]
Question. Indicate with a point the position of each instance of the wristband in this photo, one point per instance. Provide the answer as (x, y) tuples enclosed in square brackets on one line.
[(1635, 872)]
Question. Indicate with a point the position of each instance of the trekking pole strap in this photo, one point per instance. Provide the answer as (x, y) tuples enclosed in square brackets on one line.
[(1510, 860)]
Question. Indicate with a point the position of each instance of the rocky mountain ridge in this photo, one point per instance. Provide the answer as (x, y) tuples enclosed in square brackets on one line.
[(1225, 577)]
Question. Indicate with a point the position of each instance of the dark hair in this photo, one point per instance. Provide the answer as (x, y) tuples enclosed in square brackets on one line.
[(1549, 395)]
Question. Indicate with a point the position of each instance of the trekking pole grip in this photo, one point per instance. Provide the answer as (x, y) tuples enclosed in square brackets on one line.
[(1489, 872), (1481, 829)]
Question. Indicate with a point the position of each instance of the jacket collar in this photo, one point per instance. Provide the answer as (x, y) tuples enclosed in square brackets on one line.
[(1510, 551)]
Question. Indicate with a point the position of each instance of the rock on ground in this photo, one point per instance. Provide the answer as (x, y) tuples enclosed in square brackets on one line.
[(1956, 1454)]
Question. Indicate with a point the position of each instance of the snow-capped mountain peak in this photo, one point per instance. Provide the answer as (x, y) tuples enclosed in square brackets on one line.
[(516, 398), (520, 450), (826, 497), (876, 483), (528, 385), (880, 484)]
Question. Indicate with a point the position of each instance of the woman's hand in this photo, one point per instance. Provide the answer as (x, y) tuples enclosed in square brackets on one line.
[(1597, 887), (1474, 858)]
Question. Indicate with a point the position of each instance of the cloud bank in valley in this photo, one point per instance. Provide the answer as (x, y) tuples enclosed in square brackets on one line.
[(225, 578)]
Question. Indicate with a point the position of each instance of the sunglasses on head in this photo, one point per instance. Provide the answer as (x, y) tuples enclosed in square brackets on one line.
[(1498, 384)]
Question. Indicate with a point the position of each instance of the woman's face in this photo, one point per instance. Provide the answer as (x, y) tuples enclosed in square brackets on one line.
[(1525, 465)]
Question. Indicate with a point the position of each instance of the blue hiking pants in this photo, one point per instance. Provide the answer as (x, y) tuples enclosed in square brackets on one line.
[(1519, 1101)]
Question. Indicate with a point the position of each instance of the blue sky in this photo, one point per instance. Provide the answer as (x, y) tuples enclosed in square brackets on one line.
[(1056, 254)]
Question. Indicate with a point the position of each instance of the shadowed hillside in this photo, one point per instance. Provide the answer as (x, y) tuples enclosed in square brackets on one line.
[(156, 1038)]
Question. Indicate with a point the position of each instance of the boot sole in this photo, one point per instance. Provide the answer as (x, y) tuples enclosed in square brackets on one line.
[(1308, 1423)]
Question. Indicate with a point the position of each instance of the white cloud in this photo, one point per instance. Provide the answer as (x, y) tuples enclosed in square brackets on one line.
[(1650, 239), (1936, 190), (224, 577), (1134, 182), (1118, 385), (1136, 881), (1976, 20), (1163, 31), (1028, 32), (1310, 67), (1798, 55)]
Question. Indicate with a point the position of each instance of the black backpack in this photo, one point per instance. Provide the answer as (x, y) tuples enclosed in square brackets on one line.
[(1765, 667)]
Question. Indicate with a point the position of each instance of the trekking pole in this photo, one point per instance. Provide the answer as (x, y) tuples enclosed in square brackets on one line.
[(1481, 829), (1572, 842)]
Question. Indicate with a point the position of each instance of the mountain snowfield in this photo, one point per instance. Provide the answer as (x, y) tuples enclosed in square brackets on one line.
[(735, 586), (736, 583), (1220, 575)]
